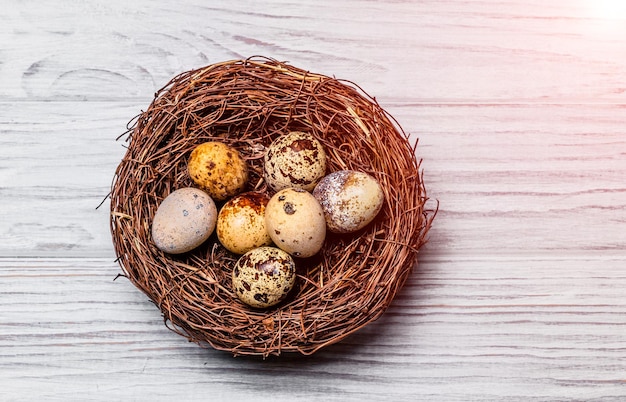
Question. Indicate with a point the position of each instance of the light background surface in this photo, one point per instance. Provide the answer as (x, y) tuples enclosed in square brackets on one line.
[(520, 111)]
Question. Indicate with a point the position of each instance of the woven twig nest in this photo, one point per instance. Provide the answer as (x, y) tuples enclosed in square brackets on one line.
[(247, 104)]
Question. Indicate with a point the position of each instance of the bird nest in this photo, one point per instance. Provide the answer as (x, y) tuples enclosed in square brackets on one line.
[(246, 104)]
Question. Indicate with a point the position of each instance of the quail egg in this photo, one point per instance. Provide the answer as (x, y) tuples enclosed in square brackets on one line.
[(350, 200), (219, 169), (241, 222), (263, 277), (295, 222), (184, 220), (295, 160)]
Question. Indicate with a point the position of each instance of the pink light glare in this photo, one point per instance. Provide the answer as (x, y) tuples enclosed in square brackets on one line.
[(607, 9), (605, 17)]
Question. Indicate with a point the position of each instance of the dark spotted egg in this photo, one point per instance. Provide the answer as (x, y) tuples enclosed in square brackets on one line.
[(295, 160), (263, 277)]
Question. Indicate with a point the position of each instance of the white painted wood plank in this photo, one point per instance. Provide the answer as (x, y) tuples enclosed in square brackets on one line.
[(524, 179), (519, 107), (444, 50), (57, 162), (462, 329)]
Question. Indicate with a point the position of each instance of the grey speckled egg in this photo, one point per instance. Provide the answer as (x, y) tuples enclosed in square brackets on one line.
[(295, 221), (350, 200), (295, 160), (263, 277), (184, 220)]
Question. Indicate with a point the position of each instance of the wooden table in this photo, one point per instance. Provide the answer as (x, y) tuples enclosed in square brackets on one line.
[(520, 111)]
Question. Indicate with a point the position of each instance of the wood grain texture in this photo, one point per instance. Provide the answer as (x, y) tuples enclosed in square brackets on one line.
[(462, 329), (520, 111), (444, 50)]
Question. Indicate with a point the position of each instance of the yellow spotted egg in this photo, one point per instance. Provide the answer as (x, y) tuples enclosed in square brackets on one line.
[(218, 169), (241, 222)]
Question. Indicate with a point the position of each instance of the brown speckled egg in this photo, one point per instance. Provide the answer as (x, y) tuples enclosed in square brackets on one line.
[(218, 169), (263, 277), (350, 200), (241, 223), (295, 222), (184, 220), (295, 160)]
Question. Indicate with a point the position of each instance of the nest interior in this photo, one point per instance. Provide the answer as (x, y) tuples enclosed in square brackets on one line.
[(247, 104)]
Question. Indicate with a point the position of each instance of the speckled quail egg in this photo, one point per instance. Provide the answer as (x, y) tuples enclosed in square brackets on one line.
[(241, 222), (295, 222), (184, 220), (264, 276), (295, 160), (350, 200), (218, 169)]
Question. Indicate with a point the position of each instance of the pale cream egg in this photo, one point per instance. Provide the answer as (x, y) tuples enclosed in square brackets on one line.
[(295, 222)]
